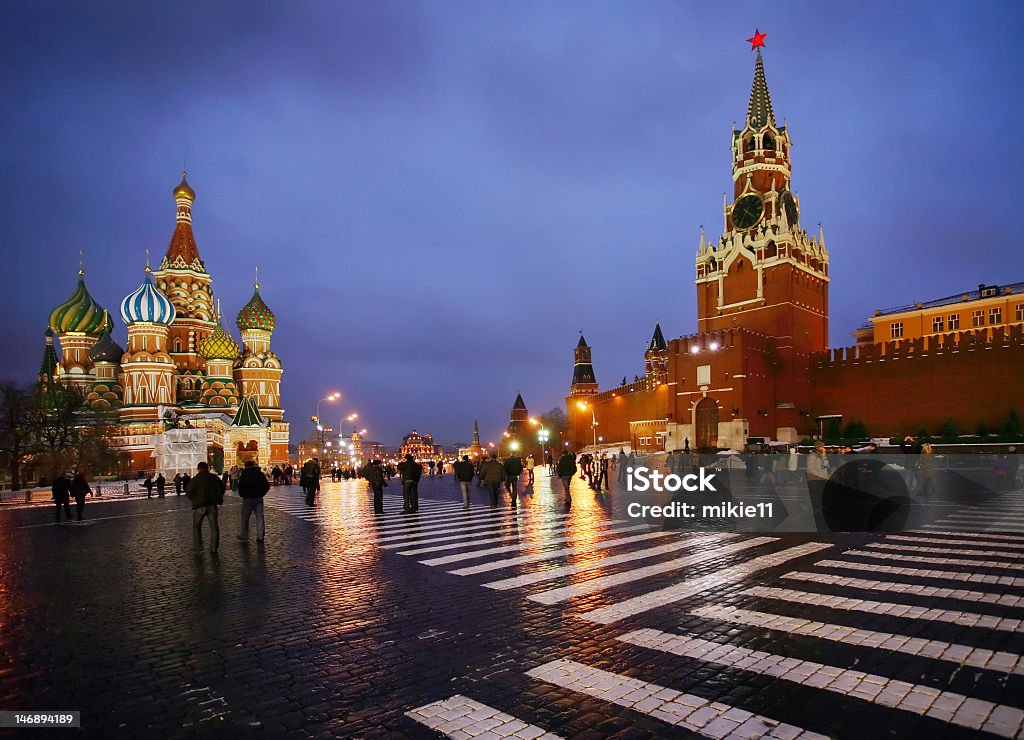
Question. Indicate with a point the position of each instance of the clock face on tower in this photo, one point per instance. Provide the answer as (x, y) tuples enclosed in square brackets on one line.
[(747, 211), (789, 204)]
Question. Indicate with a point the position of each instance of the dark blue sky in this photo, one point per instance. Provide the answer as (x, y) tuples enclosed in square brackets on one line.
[(441, 195)]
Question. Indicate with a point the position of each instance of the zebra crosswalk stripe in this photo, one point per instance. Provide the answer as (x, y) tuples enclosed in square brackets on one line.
[(461, 717), (513, 548), (711, 719), (555, 595), (890, 609), (932, 560), (945, 706), (954, 541), (568, 570), (912, 589), (950, 575), (1008, 538), (505, 537), (450, 529), (554, 554), (630, 607), (915, 548), (936, 649)]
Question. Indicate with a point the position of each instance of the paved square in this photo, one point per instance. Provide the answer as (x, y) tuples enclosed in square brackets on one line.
[(526, 623)]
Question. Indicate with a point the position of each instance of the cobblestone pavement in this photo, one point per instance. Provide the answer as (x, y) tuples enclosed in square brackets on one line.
[(533, 622)]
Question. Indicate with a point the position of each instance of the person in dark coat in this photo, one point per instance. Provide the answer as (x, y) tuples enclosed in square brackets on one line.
[(177, 484), (464, 475), (374, 475), (411, 472), (161, 484), (252, 487), (309, 479), (492, 473), (148, 485), (79, 489), (566, 469), (62, 495), (513, 469), (206, 492)]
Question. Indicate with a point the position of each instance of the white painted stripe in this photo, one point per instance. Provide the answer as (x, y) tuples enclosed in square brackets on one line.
[(902, 557), (925, 701), (919, 646), (889, 609), (944, 541), (439, 520), (553, 596), (526, 545), (950, 575), (979, 535), (446, 529), (645, 602), (507, 537), (911, 589), (555, 554), (947, 550), (460, 717), (494, 533), (548, 574), (693, 713)]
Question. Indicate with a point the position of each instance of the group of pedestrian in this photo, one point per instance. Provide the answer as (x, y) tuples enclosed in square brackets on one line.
[(206, 491), (64, 489)]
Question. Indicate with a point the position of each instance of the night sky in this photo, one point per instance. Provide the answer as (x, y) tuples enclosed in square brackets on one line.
[(440, 195)]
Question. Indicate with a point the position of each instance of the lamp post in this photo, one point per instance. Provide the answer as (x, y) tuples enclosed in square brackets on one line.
[(341, 423), (331, 397), (593, 418)]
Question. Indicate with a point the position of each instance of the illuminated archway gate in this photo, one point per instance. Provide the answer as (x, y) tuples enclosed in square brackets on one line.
[(706, 423)]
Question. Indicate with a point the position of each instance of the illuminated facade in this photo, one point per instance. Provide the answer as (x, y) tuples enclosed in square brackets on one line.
[(420, 446), (181, 369)]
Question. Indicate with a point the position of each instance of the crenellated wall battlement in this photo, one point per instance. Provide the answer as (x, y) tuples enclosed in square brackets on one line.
[(982, 339)]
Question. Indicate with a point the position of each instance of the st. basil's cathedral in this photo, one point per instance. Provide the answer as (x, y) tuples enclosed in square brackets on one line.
[(184, 388)]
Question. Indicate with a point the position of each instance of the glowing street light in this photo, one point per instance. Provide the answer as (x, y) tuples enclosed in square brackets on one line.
[(583, 406), (332, 397)]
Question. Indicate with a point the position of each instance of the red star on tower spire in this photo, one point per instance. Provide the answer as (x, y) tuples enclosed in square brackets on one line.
[(757, 40)]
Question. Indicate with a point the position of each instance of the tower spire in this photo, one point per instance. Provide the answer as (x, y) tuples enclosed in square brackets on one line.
[(759, 110)]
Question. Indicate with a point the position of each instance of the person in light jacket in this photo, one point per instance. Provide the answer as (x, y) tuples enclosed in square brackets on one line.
[(817, 477)]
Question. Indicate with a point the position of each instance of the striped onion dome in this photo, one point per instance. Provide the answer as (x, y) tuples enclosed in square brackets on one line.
[(219, 345), (79, 313), (147, 304), (256, 315), (106, 349)]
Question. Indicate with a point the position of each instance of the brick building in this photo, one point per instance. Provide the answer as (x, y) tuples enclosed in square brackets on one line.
[(759, 364)]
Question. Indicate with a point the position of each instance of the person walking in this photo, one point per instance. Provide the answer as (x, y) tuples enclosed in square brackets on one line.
[(79, 489), (492, 473), (926, 469), (513, 469), (252, 487), (566, 469), (531, 463), (309, 479), (185, 478), (430, 465), (622, 465), (793, 464), (61, 489), (148, 485), (206, 492), (161, 485), (411, 472), (374, 475), (177, 484), (276, 475), (817, 477), (602, 471), (464, 475)]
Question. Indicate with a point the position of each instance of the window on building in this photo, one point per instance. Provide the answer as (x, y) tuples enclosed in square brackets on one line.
[(751, 144), (1020, 312), (977, 318), (954, 321), (995, 315), (769, 142), (938, 324), (896, 330)]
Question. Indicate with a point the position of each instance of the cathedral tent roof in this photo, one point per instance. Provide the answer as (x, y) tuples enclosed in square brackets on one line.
[(658, 340), (519, 404), (247, 415)]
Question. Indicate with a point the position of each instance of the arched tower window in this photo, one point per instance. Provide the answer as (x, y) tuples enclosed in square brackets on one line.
[(751, 144), (768, 142), (177, 345), (771, 250)]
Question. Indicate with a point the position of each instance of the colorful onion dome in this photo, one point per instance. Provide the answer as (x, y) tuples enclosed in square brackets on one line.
[(256, 315), (183, 190), (219, 345), (147, 304), (106, 349), (79, 313)]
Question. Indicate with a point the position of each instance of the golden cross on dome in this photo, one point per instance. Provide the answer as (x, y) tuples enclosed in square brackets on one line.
[(81, 263), (147, 261), (256, 285)]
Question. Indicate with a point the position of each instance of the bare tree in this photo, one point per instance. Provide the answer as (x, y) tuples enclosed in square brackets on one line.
[(16, 438)]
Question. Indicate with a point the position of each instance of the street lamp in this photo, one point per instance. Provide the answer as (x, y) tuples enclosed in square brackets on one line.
[(341, 424), (583, 405), (331, 397)]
